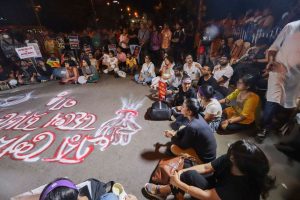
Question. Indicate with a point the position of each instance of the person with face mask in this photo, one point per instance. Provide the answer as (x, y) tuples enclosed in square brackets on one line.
[(241, 115)]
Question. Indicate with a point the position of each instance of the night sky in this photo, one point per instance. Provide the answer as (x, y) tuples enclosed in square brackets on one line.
[(66, 15)]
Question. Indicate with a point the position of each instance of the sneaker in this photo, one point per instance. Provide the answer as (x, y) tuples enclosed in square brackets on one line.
[(105, 71), (144, 83), (261, 135)]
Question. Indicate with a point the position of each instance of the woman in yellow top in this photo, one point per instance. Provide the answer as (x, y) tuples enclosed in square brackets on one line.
[(241, 115)]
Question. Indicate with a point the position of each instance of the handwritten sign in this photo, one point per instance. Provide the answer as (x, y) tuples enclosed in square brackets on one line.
[(26, 52)]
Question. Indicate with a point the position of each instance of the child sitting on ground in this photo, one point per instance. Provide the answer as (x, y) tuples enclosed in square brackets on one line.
[(131, 64), (112, 65)]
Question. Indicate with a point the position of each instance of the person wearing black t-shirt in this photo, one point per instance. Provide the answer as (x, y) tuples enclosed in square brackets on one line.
[(133, 35), (241, 174), (185, 91), (195, 140), (207, 78), (177, 43)]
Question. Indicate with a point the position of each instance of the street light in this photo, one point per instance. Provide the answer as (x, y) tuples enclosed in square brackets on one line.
[(128, 9)]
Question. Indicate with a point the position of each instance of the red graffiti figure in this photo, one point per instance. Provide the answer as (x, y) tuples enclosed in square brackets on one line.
[(117, 130)]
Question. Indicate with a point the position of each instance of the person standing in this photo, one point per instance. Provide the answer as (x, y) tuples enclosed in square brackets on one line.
[(124, 39), (143, 37), (155, 44), (166, 38), (284, 75), (177, 43)]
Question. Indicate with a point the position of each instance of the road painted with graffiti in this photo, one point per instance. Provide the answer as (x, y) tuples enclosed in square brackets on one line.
[(72, 149)]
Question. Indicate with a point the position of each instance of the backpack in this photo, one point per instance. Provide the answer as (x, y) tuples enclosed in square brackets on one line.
[(160, 111), (99, 188)]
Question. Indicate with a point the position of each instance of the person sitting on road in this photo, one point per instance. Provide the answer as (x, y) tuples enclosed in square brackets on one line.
[(196, 137), (72, 74), (212, 108), (112, 65), (89, 71), (242, 173), (241, 115), (166, 72), (195, 140), (147, 73)]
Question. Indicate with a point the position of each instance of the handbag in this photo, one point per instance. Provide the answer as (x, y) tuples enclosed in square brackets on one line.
[(160, 111), (165, 168)]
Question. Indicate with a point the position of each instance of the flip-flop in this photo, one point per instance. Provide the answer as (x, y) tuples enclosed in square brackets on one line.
[(149, 190)]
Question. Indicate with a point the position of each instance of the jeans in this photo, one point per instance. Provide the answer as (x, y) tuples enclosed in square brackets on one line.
[(269, 112), (59, 72), (146, 80), (43, 78)]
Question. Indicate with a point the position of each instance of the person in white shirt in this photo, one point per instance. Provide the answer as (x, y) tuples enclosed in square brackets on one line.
[(193, 69), (147, 73), (176, 80), (112, 65), (166, 73), (212, 108), (222, 73), (284, 75)]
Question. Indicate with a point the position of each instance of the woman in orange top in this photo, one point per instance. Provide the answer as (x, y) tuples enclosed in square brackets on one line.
[(241, 115), (166, 38)]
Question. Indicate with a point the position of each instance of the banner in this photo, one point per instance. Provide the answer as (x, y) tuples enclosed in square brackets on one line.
[(162, 90), (37, 49), (26, 52), (74, 42)]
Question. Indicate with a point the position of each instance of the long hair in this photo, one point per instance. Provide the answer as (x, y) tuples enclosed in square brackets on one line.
[(61, 193), (253, 163), (87, 60)]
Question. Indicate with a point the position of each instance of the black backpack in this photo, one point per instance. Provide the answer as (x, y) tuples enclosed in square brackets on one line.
[(99, 188), (160, 111)]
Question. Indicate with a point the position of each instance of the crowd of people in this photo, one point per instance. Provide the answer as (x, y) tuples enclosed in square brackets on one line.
[(208, 91)]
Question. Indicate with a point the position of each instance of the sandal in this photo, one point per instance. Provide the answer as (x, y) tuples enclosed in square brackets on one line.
[(153, 191)]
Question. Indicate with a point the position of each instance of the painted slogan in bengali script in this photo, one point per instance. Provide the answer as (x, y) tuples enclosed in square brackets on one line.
[(77, 142)]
